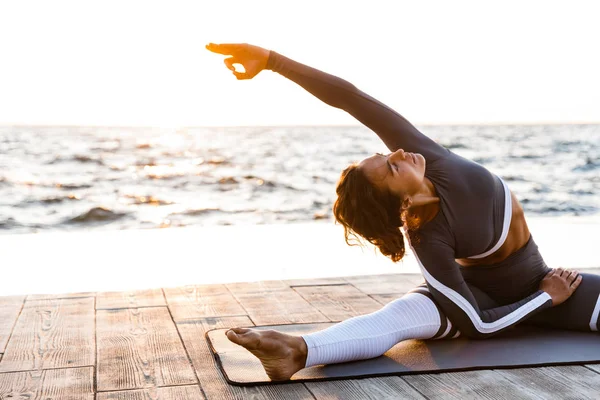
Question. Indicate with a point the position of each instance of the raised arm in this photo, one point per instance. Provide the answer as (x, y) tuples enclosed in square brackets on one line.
[(395, 131)]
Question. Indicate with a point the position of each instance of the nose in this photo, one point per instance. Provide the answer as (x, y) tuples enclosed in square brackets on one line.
[(399, 154)]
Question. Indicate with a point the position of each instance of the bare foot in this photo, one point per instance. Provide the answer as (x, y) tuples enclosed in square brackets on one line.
[(281, 355)]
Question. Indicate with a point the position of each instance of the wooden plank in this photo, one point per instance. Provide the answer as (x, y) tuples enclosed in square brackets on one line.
[(383, 299), (274, 302), (485, 384), (571, 381), (388, 283), (391, 387), (52, 334), (316, 281), (202, 301), (211, 378), (338, 302), (76, 295), (130, 299), (140, 348), (10, 307), (162, 393), (63, 384)]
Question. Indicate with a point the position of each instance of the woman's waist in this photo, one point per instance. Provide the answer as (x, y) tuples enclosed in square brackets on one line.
[(517, 237), (513, 278)]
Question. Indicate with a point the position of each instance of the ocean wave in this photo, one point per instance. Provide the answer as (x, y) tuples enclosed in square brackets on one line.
[(49, 200), (564, 208), (197, 212), (514, 178), (251, 175), (151, 200), (589, 165), (97, 214), (164, 177), (228, 180), (8, 223), (78, 158), (72, 186)]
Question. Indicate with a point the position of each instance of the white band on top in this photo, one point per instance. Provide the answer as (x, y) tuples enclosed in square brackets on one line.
[(505, 225)]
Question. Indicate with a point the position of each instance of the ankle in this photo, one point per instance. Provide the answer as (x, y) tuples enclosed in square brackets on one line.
[(300, 351)]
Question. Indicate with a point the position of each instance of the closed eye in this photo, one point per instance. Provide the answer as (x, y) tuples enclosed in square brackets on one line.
[(390, 167)]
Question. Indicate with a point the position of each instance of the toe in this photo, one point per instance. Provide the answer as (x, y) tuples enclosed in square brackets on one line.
[(240, 330), (246, 338), (233, 336)]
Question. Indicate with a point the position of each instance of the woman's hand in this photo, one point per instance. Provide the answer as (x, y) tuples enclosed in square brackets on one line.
[(252, 58), (560, 284)]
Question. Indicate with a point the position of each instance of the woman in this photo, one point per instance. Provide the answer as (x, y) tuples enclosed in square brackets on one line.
[(483, 271)]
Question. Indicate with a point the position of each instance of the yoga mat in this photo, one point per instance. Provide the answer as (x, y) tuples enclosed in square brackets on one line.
[(521, 347)]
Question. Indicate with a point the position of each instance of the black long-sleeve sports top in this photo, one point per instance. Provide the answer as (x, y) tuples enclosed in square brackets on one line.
[(475, 205)]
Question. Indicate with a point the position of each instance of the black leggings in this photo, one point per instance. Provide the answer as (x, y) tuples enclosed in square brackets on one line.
[(520, 275)]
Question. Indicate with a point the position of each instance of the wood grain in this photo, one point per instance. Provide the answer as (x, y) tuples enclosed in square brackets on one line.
[(338, 302), (10, 307), (274, 303), (316, 282), (51, 351), (468, 385), (211, 378), (130, 299), (53, 384), (76, 295), (579, 381), (383, 299), (52, 334), (202, 301), (388, 283), (140, 348), (390, 387), (161, 393)]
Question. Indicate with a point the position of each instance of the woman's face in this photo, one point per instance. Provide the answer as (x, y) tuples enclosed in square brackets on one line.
[(401, 173)]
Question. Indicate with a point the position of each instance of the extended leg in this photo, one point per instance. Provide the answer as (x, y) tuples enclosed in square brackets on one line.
[(414, 316)]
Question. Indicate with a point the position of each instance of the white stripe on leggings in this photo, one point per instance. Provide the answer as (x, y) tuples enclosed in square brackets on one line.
[(594, 320), (413, 316)]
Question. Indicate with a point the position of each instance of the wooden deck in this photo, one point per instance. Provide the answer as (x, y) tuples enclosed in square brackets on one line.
[(150, 345)]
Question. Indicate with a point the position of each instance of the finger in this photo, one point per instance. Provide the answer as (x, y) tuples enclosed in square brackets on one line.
[(576, 282), (225, 48), (229, 63), (240, 75), (549, 274), (243, 75), (568, 274), (560, 271)]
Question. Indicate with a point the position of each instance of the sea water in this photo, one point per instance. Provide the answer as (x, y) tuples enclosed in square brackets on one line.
[(109, 178)]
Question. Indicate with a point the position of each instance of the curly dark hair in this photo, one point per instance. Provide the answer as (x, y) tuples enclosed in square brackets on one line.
[(372, 213)]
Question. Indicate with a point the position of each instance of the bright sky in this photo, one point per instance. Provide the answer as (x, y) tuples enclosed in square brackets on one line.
[(144, 63)]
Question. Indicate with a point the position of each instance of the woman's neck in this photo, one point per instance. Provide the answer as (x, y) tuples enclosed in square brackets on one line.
[(426, 204)]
